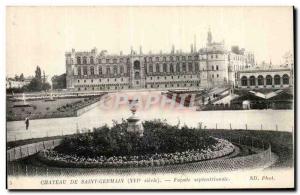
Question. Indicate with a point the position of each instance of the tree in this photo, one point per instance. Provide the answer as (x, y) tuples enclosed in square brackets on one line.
[(34, 85), (59, 82), (37, 83), (21, 77), (46, 86), (44, 77), (38, 73), (16, 78)]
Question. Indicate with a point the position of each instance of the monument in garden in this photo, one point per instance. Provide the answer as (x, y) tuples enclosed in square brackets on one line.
[(134, 123), (50, 98), (24, 103)]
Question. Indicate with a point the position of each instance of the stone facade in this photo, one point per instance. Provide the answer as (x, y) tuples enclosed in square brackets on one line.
[(275, 78), (211, 66)]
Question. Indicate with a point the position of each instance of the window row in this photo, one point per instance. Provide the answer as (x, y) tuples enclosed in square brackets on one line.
[(116, 87), (101, 80), (179, 67), (173, 77), (268, 80), (108, 70), (91, 60)]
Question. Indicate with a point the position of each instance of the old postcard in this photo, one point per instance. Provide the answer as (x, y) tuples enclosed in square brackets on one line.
[(150, 97)]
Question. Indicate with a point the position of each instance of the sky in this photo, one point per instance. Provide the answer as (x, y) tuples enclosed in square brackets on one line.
[(41, 35)]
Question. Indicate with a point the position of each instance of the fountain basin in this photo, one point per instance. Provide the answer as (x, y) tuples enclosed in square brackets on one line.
[(22, 105)]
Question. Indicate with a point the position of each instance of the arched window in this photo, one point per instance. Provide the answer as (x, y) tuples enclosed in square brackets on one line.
[(107, 70), (269, 80), (244, 81), (165, 67), (177, 67), (171, 68), (150, 68), (99, 61), (183, 67), (285, 79), (84, 70), (212, 68), (277, 80), (217, 67), (136, 65), (121, 69), (157, 68), (100, 70), (260, 80), (92, 70), (79, 70), (91, 60), (84, 60), (190, 67), (136, 75), (115, 69), (252, 81), (78, 60)]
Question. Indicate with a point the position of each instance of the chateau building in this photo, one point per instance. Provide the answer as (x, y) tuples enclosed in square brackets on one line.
[(271, 78), (207, 67)]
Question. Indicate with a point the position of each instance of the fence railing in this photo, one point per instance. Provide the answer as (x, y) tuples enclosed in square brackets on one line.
[(76, 128), (260, 156)]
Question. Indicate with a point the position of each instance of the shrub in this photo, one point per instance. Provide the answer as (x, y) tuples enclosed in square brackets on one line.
[(161, 144)]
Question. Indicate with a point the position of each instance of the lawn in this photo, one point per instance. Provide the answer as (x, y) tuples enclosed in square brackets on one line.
[(40, 106), (62, 107)]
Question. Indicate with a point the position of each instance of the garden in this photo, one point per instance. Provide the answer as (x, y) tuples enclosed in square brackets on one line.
[(39, 109), (162, 144)]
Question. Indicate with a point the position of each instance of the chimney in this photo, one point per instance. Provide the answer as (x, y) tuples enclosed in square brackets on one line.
[(195, 49), (173, 49), (141, 51), (131, 50)]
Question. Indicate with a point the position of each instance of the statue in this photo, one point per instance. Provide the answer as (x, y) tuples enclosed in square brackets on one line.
[(24, 104), (134, 123), (24, 99)]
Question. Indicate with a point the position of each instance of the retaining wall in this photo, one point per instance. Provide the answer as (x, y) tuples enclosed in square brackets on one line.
[(30, 149), (87, 108)]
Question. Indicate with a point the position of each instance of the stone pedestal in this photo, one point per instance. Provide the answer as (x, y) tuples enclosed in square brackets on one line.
[(134, 123)]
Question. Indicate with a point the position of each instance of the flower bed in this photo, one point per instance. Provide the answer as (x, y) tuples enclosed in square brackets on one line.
[(220, 149)]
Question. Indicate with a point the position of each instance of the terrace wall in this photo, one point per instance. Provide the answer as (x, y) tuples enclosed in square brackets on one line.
[(30, 149)]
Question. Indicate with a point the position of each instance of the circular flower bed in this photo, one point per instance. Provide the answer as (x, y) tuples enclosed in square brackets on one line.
[(162, 144), (222, 148)]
